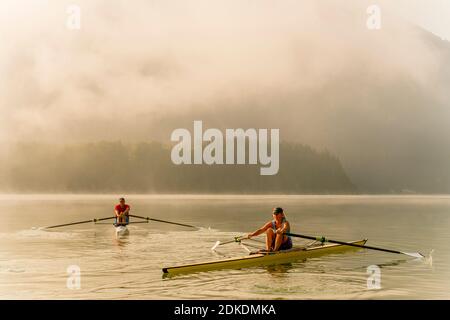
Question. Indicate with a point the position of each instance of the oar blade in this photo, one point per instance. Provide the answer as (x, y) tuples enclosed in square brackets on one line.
[(215, 245), (414, 254)]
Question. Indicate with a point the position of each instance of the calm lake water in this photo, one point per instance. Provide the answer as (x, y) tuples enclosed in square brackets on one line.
[(33, 263)]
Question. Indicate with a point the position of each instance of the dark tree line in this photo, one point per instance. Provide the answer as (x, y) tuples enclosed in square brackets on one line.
[(147, 168)]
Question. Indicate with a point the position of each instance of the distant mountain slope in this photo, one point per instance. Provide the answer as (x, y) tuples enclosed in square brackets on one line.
[(147, 167)]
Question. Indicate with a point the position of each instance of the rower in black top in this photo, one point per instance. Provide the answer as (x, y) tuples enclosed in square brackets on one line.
[(275, 229)]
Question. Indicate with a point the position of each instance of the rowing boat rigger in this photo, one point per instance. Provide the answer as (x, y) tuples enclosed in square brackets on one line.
[(120, 229), (270, 258)]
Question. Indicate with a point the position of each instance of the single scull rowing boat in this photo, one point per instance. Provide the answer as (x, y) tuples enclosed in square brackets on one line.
[(253, 259), (120, 230), (320, 246)]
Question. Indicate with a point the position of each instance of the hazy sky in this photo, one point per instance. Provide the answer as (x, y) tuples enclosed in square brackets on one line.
[(434, 15), (146, 59), (137, 70)]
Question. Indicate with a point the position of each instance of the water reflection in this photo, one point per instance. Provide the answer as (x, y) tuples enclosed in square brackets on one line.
[(392, 263), (279, 270), (121, 242)]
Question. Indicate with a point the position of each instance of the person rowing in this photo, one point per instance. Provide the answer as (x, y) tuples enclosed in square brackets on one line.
[(122, 211), (275, 229)]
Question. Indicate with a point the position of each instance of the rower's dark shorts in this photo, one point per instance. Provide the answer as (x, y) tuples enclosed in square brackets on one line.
[(285, 245)]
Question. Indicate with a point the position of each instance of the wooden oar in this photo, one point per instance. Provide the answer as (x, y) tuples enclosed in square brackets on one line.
[(323, 239), (164, 221), (79, 222)]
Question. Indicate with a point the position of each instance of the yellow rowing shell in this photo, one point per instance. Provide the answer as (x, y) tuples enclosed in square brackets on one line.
[(279, 257)]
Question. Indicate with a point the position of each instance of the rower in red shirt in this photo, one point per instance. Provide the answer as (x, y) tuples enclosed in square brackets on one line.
[(122, 210)]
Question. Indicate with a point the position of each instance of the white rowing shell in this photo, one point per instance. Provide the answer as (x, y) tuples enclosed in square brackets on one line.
[(121, 230)]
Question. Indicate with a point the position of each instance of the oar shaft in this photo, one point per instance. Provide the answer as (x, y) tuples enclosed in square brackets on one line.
[(175, 223), (236, 239), (164, 221), (79, 222), (69, 224), (342, 242)]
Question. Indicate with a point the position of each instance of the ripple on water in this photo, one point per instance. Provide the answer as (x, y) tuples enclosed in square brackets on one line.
[(33, 263)]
